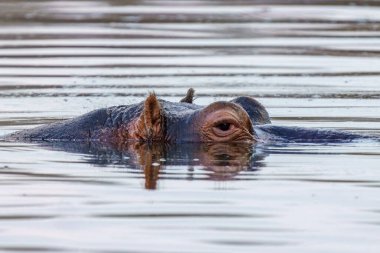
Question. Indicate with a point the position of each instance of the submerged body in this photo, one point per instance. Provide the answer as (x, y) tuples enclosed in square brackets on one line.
[(240, 120)]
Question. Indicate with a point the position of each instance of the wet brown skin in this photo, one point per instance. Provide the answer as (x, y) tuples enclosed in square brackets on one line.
[(225, 122), (156, 120), (218, 122)]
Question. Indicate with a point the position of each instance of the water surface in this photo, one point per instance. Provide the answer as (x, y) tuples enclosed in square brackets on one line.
[(313, 64)]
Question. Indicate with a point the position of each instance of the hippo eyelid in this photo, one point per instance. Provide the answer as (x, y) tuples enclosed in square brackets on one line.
[(225, 121)]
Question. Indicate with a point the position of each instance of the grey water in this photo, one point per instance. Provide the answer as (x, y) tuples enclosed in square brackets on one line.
[(311, 63)]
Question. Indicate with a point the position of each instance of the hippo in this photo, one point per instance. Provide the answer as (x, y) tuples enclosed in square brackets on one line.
[(242, 119)]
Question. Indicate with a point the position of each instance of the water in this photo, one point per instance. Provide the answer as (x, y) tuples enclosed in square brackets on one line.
[(313, 64)]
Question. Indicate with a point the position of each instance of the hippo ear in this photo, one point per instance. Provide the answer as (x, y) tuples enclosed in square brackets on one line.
[(255, 110), (189, 97), (151, 121)]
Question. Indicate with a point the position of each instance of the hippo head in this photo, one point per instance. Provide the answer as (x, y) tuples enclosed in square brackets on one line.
[(222, 121)]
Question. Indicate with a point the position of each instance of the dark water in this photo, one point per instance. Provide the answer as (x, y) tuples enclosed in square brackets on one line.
[(311, 63)]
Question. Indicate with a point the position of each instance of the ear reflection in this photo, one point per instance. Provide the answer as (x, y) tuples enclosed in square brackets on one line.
[(149, 158)]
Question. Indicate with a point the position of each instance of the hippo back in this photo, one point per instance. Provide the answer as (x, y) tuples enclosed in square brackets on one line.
[(79, 128)]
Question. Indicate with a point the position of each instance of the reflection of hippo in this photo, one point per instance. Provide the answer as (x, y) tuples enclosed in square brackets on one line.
[(240, 120), (218, 161)]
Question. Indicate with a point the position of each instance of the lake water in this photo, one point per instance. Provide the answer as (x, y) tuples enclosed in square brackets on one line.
[(311, 65)]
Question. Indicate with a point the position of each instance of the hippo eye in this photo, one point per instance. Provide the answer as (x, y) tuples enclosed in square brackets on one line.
[(223, 126)]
